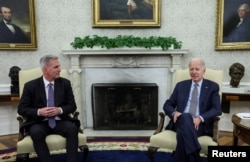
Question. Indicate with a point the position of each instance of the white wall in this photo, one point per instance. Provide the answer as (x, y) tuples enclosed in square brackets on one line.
[(8, 121), (59, 21)]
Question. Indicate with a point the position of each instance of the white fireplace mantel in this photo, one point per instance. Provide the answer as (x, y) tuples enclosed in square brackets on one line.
[(116, 58), (174, 54)]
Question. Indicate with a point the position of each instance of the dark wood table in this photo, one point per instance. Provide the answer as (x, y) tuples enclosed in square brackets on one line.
[(228, 97), (241, 129), (9, 98)]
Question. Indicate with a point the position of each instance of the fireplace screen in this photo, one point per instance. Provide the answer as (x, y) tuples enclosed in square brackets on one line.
[(119, 106)]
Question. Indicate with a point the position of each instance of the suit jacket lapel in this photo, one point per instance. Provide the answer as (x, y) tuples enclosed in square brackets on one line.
[(203, 92), (56, 92), (186, 92), (41, 91)]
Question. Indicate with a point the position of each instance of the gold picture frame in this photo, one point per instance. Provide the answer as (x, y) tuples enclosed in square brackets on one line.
[(230, 33), (19, 31), (126, 13)]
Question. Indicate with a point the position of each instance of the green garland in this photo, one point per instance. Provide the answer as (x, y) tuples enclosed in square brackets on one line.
[(126, 41)]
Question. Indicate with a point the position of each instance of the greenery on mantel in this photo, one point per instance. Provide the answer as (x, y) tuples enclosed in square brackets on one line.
[(126, 41)]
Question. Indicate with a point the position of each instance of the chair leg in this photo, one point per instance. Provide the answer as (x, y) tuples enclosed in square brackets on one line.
[(85, 150), (22, 157), (151, 151)]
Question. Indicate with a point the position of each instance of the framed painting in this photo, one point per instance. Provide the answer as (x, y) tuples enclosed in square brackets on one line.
[(17, 25), (232, 27), (126, 13)]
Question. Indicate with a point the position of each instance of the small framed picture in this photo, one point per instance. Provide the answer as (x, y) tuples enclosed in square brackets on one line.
[(17, 25), (126, 13), (233, 25)]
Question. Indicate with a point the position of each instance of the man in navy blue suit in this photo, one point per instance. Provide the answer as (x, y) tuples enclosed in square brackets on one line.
[(35, 106), (189, 126)]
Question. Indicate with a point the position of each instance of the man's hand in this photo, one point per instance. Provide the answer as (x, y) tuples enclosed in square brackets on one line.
[(49, 111), (176, 115), (197, 121)]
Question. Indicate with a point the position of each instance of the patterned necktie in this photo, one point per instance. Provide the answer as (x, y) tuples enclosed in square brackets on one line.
[(194, 101), (52, 122)]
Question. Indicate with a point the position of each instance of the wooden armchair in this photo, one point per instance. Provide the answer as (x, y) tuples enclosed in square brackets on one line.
[(167, 138), (54, 142)]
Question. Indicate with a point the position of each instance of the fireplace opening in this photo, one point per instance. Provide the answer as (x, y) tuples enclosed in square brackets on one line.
[(127, 106)]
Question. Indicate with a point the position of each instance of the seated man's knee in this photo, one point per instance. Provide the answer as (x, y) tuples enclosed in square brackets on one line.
[(72, 128), (37, 132)]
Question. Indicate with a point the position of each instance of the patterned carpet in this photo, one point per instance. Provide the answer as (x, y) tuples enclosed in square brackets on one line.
[(8, 154), (118, 143), (95, 144)]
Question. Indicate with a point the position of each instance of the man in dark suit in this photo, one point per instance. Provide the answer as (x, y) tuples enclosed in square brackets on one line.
[(190, 125), (34, 105), (10, 33)]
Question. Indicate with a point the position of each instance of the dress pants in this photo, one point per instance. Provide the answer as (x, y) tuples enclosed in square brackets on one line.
[(65, 128), (188, 147)]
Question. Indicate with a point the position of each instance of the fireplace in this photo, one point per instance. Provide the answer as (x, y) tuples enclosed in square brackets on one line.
[(125, 106), (90, 66)]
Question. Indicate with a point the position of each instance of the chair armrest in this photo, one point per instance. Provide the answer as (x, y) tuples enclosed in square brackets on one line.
[(75, 117), (21, 120), (161, 123), (216, 128)]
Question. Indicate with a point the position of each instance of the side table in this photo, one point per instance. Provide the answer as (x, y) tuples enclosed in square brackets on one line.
[(9, 98), (241, 129), (228, 97)]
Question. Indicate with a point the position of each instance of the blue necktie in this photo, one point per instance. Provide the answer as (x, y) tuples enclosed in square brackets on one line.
[(52, 122), (194, 101)]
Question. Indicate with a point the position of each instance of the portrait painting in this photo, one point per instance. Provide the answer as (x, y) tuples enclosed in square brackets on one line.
[(233, 25), (17, 25), (126, 13)]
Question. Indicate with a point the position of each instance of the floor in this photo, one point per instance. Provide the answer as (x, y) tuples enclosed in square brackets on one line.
[(9, 141)]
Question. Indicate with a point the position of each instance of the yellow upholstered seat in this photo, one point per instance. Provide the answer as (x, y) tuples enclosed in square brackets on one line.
[(55, 142)]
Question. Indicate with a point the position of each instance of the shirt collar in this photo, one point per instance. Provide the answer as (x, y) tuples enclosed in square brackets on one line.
[(199, 83), (46, 82)]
